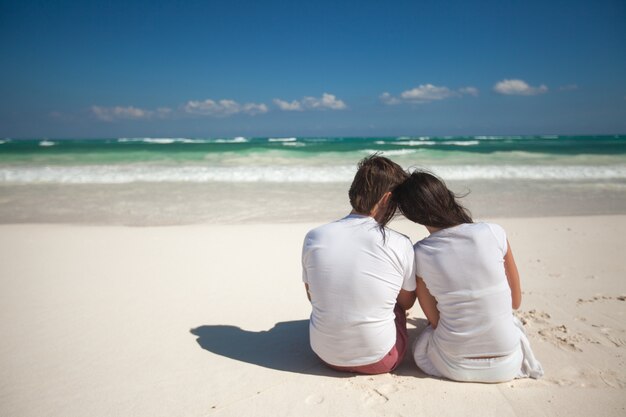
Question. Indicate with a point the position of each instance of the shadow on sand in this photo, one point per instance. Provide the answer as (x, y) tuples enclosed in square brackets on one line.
[(285, 347)]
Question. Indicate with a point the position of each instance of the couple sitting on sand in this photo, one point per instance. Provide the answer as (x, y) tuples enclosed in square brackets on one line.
[(362, 277)]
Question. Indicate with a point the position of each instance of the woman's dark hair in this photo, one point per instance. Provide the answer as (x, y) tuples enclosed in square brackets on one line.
[(376, 176), (423, 198)]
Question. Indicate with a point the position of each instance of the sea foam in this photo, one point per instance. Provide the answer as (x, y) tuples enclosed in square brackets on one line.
[(168, 141), (120, 174), (282, 139)]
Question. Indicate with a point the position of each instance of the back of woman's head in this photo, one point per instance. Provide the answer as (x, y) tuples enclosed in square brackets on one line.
[(423, 198)]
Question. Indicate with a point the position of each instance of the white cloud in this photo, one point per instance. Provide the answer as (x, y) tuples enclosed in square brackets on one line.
[(568, 87), (426, 93), (253, 108), (223, 108), (470, 91), (163, 112), (327, 101), (518, 87), (287, 106), (389, 99), (109, 114)]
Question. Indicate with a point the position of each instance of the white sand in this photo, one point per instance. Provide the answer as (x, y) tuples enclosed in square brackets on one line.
[(211, 320)]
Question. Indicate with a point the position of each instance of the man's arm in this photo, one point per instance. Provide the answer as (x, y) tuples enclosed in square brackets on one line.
[(428, 303), (406, 299)]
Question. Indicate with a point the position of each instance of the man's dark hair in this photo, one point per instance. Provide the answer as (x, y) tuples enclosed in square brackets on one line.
[(423, 198), (376, 176)]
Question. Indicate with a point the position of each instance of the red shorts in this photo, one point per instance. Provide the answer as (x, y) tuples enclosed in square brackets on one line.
[(392, 359)]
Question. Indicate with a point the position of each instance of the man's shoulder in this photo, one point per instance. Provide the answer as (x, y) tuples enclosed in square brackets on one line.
[(368, 230), (397, 241), (323, 228), (324, 231)]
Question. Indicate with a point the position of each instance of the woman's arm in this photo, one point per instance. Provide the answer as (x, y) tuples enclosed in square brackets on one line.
[(512, 275), (427, 302)]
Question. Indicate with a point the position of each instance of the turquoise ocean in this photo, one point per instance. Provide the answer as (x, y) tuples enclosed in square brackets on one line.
[(306, 160), (168, 181)]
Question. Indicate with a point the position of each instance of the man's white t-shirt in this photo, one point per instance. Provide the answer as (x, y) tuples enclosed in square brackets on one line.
[(463, 268), (354, 277)]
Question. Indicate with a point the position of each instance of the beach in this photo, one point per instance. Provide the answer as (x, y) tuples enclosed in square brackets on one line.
[(126, 292), (212, 320)]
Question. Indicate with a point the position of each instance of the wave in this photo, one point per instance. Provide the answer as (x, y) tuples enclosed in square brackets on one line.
[(530, 172), (120, 174), (115, 174), (282, 139), (159, 141), (516, 137), (394, 152), (414, 143), (501, 137), (314, 140), (404, 138), (434, 143), (47, 143), (238, 139), (425, 141), (462, 142), (168, 141)]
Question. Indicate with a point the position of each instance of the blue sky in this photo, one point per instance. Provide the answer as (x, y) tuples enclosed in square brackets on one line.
[(333, 68)]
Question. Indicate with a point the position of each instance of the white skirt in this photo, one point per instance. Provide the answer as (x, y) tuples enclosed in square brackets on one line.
[(519, 364)]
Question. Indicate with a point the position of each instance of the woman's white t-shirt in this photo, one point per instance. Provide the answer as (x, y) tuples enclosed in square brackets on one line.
[(354, 277), (463, 268)]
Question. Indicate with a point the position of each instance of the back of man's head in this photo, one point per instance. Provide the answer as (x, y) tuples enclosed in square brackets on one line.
[(376, 176)]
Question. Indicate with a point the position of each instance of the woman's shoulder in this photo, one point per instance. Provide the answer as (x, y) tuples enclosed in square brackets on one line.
[(496, 229), (473, 230), (497, 232), (486, 226)]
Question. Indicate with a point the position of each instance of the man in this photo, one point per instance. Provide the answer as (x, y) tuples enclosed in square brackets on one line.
[(359, 277)]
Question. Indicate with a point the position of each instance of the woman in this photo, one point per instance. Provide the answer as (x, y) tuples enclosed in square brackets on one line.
[(467, 286)]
